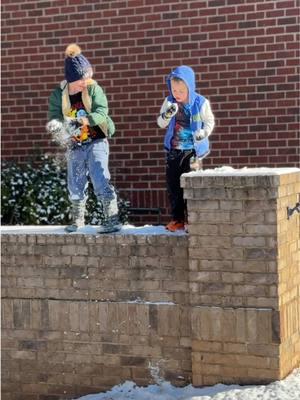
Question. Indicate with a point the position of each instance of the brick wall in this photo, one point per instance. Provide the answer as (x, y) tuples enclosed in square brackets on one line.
[(244, 257), (81, 313), (96, 268), (288, 277), (245, 54)]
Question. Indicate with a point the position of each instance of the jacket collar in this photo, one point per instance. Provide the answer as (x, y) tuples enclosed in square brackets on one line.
[(66, 105)]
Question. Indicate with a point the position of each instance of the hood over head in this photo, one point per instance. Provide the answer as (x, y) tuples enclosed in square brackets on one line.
[(186, 74)]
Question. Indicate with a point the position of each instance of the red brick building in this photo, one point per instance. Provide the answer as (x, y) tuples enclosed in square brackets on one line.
[(245, 54)]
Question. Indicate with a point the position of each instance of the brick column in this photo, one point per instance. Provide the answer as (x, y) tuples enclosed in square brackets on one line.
[(244, 274)]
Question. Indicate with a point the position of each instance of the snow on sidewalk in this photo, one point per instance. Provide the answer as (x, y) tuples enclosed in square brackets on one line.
[(286, 389)]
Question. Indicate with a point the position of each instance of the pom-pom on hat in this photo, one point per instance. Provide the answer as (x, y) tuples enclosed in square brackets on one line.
[(76, 65)]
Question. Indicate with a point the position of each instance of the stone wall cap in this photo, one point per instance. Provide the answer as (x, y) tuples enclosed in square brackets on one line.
[(89, 231), (229, 171)]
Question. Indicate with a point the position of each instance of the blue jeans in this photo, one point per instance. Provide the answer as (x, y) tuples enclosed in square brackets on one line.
[(90, 159)]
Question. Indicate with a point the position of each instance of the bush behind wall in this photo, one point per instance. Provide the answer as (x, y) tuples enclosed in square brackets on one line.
[(36, 194)]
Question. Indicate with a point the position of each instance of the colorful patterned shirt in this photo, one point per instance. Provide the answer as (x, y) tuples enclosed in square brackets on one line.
[(183, 135), (77, 110)]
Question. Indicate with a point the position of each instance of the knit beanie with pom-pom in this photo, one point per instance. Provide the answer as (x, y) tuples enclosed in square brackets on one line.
[(76, 65)]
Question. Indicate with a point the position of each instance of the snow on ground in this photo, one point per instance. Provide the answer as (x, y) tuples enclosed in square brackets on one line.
[(88, 230), (286, 389)]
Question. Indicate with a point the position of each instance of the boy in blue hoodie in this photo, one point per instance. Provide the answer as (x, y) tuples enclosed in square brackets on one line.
[(189, 121)]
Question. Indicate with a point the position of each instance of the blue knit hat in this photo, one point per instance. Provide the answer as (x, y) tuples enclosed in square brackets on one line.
[(76, 65)]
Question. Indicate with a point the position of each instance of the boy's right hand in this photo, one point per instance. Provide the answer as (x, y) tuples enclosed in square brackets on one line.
[(171, 110), (54, 126), (58, 132)]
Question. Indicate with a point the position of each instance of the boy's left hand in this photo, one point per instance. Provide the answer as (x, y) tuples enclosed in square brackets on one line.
[(195, 163), (199, 134), (72, 126), (83, 121)]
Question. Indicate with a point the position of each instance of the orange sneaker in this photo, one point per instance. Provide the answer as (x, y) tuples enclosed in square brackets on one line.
[(174, 226)]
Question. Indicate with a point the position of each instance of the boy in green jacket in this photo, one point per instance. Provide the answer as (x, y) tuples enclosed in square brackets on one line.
[(79, 121)]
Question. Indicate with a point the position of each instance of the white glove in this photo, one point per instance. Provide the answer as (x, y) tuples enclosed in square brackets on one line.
[(54, 126), (72, 126), (195, 163), (58, 132), (199, 134), (171, 110)]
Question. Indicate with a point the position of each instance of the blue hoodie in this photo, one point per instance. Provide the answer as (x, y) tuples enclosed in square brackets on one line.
[(194, 106)]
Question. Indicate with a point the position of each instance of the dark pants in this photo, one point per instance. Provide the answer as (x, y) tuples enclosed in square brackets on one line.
[(177, 163)]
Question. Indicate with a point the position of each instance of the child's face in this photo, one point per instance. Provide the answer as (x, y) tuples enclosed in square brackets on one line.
[(78, 86), (180, 91)]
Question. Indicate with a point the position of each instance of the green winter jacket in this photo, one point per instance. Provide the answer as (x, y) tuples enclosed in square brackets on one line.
[(95, 103)]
